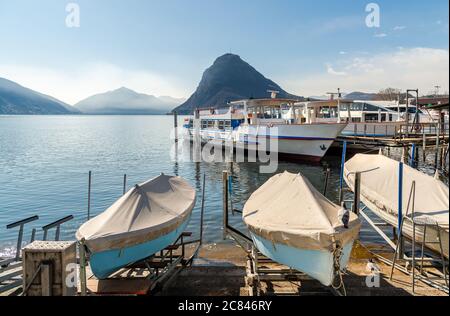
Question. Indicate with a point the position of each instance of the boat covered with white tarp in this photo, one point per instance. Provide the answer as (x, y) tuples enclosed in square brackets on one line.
[(294, 224), (147, 219), (380, 193)]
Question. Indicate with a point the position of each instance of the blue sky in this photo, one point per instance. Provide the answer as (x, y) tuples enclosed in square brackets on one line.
[(162, 47)]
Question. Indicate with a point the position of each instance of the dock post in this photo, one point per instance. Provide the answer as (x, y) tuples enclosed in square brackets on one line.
[(89, 196), (424, 145), (327, 177), (357, 195), (341, 179), (202, 213), (83, 284), (225, 203), (436, 158), (124, 184), (412, 161), (175, 125), (400, 211)]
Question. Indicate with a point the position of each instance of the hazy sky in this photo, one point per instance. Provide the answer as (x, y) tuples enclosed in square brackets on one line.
[(162, 47)]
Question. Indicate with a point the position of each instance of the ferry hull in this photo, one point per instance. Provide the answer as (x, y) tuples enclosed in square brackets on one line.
[(318, 264), (305, 142), (103, 264)]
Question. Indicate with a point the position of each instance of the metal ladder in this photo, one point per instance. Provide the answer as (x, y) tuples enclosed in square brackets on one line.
[(426, 223)]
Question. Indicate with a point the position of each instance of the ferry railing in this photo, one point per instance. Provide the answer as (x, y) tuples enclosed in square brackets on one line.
[(56, 224)]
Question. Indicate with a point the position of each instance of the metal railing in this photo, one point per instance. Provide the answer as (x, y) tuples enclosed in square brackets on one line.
[(56, 224), (21, 224)]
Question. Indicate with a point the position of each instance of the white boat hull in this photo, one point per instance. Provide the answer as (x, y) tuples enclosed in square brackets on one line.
[(318, 264), (308, 141)]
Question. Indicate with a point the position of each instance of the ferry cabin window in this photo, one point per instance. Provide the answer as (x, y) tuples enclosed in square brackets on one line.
[(210, 124), (204, 124), (372, 108), (371, 117), (356, 107), (221, 125), (227, 124)]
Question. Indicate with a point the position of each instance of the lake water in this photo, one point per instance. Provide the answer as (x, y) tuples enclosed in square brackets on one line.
[(45, 160)]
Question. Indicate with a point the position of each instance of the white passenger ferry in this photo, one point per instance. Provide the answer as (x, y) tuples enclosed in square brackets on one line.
[(245, 123), (364, 118)]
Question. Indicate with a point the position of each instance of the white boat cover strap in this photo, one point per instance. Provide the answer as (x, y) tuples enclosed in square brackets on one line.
[(144, 213), (288, 210)]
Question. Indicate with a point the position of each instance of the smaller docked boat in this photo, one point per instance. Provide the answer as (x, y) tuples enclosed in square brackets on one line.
[(295, 225), (146, 220), (380, 193)]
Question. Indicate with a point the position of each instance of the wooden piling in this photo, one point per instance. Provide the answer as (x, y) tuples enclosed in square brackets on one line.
[(424, 145), (436, 158), (175, 125), (225, 203), (124, 184), (357, 194)]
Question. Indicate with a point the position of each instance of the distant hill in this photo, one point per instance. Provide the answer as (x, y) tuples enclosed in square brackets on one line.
[(230, 79), (362, 96), (18, 100), (126, 101)]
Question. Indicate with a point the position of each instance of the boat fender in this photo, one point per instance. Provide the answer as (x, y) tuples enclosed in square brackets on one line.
[(344, 215)]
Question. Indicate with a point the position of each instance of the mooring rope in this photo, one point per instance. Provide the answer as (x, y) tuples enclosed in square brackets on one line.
[(337, 255)]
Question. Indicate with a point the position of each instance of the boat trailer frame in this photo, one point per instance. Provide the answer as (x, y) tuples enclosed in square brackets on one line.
[(162, 268), (259, 268), (398, 245)]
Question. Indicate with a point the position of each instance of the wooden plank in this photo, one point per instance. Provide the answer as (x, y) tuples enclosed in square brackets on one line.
[(10, 286), (12, 266), (133, 286), (46, 280), (10, 275)]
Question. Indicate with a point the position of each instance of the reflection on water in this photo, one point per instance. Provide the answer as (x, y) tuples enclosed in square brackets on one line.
[(45, 160)]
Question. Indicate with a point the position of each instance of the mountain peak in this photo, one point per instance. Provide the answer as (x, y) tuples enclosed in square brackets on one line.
[(126, 101), (230, 78), (228, 57)]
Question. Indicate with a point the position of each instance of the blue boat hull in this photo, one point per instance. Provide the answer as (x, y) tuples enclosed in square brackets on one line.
[(105, 263), (317, 264)]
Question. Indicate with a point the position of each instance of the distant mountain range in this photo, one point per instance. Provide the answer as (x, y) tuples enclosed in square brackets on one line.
[(230, 79), (126, 101), (362, 96), (18, 100)]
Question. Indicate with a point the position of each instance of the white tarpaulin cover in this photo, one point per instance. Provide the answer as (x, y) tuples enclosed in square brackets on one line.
[(146, 212), (288, 210), (380, 187)]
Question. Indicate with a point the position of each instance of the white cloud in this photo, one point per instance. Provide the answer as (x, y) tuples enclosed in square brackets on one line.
[(408, 68), (399, 28), (380, 35), (343, 53), (333, 72), (77, 84)]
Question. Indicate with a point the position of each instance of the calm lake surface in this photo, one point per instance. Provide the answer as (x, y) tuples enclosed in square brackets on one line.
[(45, 160)]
